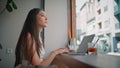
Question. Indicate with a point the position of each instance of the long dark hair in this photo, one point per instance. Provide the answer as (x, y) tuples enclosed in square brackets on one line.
[(30, 26)]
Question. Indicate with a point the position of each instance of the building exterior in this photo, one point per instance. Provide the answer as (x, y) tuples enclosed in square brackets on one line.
[(102, 18)]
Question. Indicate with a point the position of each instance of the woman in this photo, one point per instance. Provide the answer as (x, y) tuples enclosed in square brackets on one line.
[(30, 47)]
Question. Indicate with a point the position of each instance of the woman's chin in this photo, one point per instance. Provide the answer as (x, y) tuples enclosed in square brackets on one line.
[(44, 25)]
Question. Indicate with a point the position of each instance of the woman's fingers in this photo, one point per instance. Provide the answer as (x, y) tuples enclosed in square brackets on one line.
[(61, 50), (64, 50)]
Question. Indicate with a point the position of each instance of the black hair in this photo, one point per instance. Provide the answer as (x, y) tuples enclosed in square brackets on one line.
[(30, 26)]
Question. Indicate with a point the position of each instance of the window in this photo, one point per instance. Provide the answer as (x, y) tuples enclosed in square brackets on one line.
[(106, 24), (99, 11), (72, 21), (105, 8), (98, 0), (91, 1), (100, 24)]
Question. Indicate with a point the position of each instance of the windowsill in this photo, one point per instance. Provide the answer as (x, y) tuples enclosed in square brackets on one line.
[(113, 53)]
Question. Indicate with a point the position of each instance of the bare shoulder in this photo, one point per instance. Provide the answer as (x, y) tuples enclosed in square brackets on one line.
[(30, 41), (29, 38), (28, 35)]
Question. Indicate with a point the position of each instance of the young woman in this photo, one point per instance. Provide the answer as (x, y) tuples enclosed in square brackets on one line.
[(30, 47)]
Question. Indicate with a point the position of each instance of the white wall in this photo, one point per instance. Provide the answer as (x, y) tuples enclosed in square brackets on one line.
[(56, 31), (10, 28)]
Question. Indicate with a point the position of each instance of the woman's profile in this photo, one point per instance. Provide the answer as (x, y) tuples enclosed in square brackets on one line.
[(29, 46)]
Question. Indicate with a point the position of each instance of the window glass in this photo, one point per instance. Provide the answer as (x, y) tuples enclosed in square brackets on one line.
[(94, 19), (105, 8)]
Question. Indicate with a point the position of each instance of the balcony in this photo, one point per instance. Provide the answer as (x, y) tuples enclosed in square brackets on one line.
[(116, 1), (117, 25), (117, 9), (90, 19), (118, 16), (117, 12)]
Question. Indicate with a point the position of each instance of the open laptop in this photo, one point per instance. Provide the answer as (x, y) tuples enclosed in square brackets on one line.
[(82, 49)]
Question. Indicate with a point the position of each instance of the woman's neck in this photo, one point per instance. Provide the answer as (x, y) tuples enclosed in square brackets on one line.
[(40, 30)]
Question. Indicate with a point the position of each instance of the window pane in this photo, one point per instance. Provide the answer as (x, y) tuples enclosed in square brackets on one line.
[(105, 8)]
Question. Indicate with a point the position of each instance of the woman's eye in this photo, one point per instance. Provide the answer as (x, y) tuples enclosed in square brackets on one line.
[(42, 15)]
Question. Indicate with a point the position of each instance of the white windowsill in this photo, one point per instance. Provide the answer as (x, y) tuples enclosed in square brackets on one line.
[(112, 53)]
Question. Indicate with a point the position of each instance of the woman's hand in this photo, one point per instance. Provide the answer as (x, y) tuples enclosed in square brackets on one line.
[(60, 51)]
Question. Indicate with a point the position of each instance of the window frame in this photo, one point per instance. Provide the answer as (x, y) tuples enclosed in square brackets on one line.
[(72, 20)]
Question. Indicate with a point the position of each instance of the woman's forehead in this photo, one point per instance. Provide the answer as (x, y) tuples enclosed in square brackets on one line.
[(42, 12)]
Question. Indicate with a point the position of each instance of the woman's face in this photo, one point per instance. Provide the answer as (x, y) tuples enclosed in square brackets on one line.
[(42, 19)]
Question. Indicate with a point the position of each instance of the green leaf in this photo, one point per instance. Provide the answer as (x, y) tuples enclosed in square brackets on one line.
[(9, 8), (14, 5), (9, 1)]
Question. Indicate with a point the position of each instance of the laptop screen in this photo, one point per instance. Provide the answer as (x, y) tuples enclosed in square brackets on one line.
[(84, 44)]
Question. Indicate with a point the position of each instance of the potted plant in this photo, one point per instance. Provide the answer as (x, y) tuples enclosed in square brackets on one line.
[(9, 6)]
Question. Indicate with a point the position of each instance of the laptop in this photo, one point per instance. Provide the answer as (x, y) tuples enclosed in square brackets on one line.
[(82, 49)]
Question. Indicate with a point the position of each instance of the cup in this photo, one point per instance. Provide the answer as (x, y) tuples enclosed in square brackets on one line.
[(73, 48), (73, 45), (91, 49)]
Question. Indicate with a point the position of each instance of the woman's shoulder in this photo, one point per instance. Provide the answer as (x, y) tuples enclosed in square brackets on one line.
[(29, 38), (29, 35)]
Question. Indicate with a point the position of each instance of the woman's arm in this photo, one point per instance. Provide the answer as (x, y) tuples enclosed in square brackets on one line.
[(49, 59)]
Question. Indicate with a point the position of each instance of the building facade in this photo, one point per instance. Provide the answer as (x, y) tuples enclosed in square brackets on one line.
[(102, 18)]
